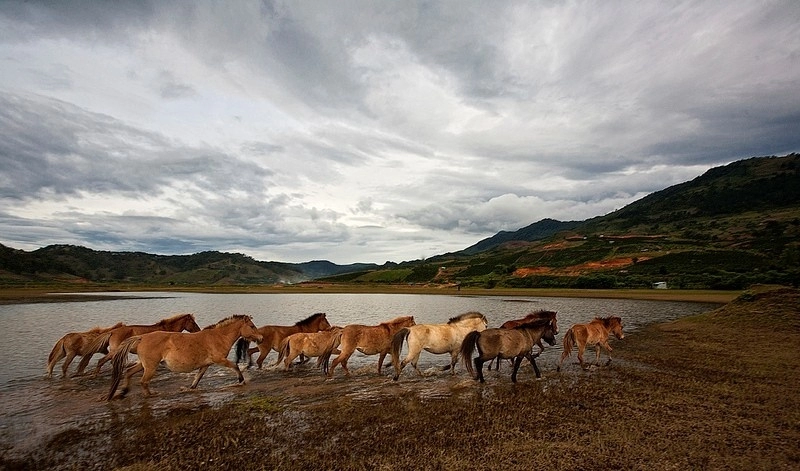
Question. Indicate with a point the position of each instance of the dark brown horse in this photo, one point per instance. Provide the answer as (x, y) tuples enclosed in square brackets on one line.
[(542, 314), (594, 333), (181, 352), (274, 335), (71, 345), (109, 341), (515, 343), (369, 340)]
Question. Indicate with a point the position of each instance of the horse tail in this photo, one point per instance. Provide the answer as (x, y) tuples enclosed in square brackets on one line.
[(326, 355), (97, 345), (58, 352), (335, 341), (119, 360), (397, 345), (569, 341), (242, 351), (283, 352), (467, 347)]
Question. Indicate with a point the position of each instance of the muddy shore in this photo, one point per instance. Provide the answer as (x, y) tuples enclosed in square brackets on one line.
[(715, 391)]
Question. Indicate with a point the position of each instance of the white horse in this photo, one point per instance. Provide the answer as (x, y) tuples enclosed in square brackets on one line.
[(435, 338)]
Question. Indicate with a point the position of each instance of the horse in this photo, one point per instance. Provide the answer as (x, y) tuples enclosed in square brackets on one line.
[(594, 333), (514, 343), (369, 340), (541, 314), (109, 341), (71, 345), (181, 352), (274, 335), (435, 338), (310, 344)]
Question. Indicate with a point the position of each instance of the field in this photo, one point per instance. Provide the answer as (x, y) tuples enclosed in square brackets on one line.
[(715, 391)]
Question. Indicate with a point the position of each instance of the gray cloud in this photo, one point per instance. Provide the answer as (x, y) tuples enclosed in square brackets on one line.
[(363, 131)]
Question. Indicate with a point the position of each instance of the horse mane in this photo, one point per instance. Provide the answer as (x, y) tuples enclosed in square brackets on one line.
[(100, 330), (308, 320), (533, 324), (174, 318), (397, 320), (541, 314), (227, 321), (466, 315), (608, 320)]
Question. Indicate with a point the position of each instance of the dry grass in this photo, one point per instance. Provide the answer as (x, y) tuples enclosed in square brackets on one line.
[(716, 391)]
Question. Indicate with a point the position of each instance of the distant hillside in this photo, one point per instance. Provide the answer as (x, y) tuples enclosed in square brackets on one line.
[(73, 264), (731, 227), (536, 231)]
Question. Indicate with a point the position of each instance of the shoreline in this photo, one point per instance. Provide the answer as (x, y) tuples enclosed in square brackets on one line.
[(89, 293)]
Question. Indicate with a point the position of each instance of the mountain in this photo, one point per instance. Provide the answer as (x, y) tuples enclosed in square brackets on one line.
[(536, 231), (733, 226)]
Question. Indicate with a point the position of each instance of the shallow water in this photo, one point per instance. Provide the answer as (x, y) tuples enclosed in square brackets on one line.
[(33, 407)]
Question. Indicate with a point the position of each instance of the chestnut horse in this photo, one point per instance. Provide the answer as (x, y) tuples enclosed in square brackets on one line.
[(109, 341), (71, 345), (181, 352), (369, 340), (435, 338), (514, 343), (310, 344), (541, 314), (274, 335), (594, 333)]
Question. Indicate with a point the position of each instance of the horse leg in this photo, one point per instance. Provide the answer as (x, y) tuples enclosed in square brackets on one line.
[(263, 351), (146, 377), (287, 362), (127, 379), (198, 376), (453, 361), (102, 362), (608, 350), (581, 348), (381, 357), (517, 362), (67, 362), (479, 368), (233, 366), (532, 359)]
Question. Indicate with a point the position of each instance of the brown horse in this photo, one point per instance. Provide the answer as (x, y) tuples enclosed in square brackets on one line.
[(434, 338), (181, 352), (310, 344), (369, 340), (274, 335), (514, 343), (541, 314), (109, 341), (594, 333), (71, 345)]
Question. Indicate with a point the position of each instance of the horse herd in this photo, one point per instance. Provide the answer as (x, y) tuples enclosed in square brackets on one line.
[(466, 336)]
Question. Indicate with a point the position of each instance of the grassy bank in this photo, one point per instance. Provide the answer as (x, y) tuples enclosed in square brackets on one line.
[(716, 391)]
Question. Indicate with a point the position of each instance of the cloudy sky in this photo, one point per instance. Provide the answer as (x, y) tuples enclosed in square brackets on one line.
[(370, 131)]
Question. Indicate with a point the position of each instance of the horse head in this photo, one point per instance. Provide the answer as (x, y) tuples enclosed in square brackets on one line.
[(249, 331), (190, 324), (549, 334), (323, 323), (616, 328)]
